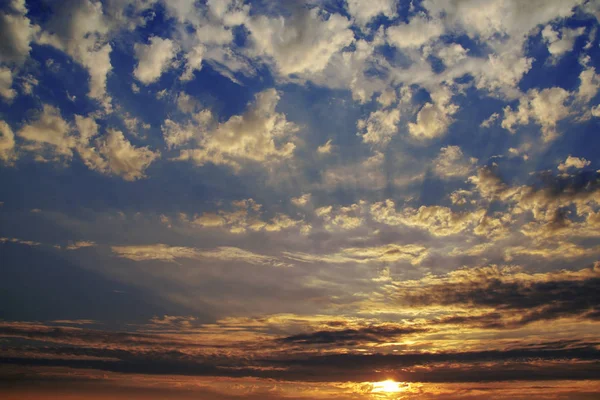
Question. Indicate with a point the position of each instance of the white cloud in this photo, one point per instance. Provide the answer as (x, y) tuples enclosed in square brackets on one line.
[(573, 162), (434, 118), (176, 135), (492, 18), (380, 126), (7, 144), (50, 134), (80, 28), (545, 107), (193, 62), (452, 54), (49, 131), (451, 163), (6, 80), (490, 120), (416, 33), (260, 134), (363, 11), (153, 58), (326, 147), (589, 83), (28, 82), (302, 200), (301, 44), (560, 42), (124, 159), (16, 32)]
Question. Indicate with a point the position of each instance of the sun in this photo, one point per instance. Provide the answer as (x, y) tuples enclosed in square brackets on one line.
[(387, 386)]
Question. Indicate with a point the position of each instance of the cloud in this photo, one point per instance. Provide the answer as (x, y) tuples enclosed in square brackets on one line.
[(19, 241), (80, 245), (379, 127), (17, 33), (573, 162), (153, 58), (519, 297), (49, 131), (301, 201), (163, 252), (372, 334), (80, 29), (545, 107), (325, 148), (6, 81), (434, 118), (362, 12), (388, 253), (7, 144), (124, 159), (247, 216), (341, 218), (417, 32), (302, 43), (259, 135), (365, 174), (177, 135), (451, 163), (490, 121), (560, 42), (113, 154), (437, 220)]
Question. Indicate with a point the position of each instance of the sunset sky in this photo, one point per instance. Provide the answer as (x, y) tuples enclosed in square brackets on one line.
[(316, 199)]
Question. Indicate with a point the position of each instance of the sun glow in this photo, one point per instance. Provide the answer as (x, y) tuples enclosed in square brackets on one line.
[(388, 386)]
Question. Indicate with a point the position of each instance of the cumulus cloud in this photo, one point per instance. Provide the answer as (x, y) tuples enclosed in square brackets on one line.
[(364, 12), (573, 162), (417, 32), (452, 163), (6, 81), (326, 147), (49, 131), (80, 28), (302, 43), (175, 134), (341, 218), (301, 200), (560, 42), (490, 120), (260, 135), (124, 159), (49, 134), (7, 144), (434, 118), (437, 220), (379, 127), (546, 107), (17, 32), (246, 215), (153, 58)]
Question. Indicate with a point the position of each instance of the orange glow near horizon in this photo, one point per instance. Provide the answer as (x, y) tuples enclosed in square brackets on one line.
[(387, 386)]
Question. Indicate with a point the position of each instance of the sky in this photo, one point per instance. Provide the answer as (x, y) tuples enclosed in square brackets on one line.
[(316, 199)]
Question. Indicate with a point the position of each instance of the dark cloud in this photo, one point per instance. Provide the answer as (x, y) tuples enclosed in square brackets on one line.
[(556, 360), (516, 302), (374, 334)]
